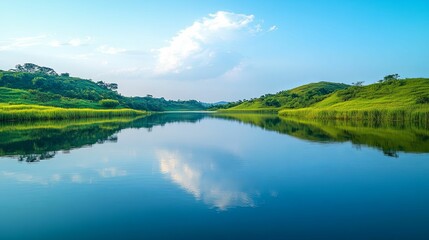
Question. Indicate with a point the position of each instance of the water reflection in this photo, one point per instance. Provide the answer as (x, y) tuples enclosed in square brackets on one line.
[(36, 141), (33, 142), (390, 138), (209, 175)]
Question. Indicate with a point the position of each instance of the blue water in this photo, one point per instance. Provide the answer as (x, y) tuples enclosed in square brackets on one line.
[(212, 178)]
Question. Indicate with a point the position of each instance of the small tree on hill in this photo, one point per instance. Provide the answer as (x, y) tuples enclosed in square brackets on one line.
[(392, 77)]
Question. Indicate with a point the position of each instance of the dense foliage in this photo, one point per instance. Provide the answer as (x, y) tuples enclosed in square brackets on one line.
[(32, 84)]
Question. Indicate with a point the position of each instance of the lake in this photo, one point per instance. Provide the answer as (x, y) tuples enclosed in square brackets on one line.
[(213, 176)]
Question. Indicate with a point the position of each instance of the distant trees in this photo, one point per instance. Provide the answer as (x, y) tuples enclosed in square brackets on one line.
[(33, 68), (272, 102), (358, 84), (390, 77), (65, 75), (110, 86)]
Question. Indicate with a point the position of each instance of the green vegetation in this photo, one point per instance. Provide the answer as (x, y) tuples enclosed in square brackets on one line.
[(390, 99), (109, 103), (299, 97), (32, 84), (13, 112)]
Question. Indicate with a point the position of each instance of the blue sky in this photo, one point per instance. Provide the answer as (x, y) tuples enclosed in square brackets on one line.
[(218, 50)]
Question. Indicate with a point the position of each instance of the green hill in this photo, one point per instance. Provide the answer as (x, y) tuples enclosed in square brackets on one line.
[(299, 97), (32, 84), (391, 99)]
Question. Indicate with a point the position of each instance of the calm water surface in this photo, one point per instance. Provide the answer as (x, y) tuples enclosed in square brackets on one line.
[(202, 176)]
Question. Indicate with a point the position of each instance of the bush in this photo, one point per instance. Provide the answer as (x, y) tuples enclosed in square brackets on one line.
[(272, 102), (109, 103), (422, 99)]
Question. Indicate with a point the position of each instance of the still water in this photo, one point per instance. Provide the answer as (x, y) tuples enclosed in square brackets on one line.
[(205, 176)]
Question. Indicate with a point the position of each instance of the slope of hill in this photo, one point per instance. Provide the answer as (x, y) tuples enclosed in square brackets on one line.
[(391, 99), (32, 84), (299, 97)]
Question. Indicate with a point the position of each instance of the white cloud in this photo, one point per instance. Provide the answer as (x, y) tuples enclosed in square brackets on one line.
[(197, 49), (273, 28), (23, 42), (75, 42), (40, 41), (105, 49)]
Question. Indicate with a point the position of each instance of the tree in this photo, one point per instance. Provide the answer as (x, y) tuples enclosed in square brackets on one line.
[(39, 82), (272, 102), (391, 77), (112, 86), (33, 68), (65, 75), (358, 83)]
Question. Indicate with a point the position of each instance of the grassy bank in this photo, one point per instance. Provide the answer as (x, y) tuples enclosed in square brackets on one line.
[(389, 100), (380, 115), (11, 112), (395, 100), (249, 110)]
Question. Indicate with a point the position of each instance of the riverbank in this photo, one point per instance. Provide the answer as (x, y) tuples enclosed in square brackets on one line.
[(24, 112)]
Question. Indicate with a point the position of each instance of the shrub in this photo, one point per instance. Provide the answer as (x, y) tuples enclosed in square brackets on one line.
[(109, 103), (422, 99)]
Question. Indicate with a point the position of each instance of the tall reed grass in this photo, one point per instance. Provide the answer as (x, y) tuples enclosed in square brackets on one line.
[(36, 112), (420, 116)]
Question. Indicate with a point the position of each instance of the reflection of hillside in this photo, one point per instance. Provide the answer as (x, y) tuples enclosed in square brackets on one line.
[(387, 138), (37, 141)]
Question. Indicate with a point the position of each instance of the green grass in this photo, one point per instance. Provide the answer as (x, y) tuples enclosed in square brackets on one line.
[(26, 112), (299, 97), (391, 101)]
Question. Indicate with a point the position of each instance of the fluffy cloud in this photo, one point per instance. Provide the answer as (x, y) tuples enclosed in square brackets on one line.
[(40, 41), (75, 42), (198, 51), (105, 49), (23, 42)]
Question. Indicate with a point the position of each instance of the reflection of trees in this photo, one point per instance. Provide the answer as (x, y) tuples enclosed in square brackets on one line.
[(32, 142), (389, 138), (36, 157)]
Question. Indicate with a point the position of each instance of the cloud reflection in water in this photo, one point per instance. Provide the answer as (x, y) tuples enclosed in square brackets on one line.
[(209, 176)]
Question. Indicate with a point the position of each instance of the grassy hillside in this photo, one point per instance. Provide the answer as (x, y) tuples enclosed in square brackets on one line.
[(299, 97), (29, 85), (395, 99)]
